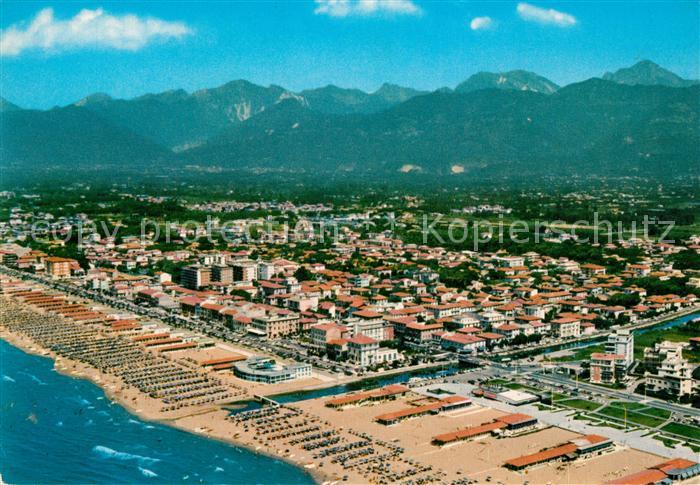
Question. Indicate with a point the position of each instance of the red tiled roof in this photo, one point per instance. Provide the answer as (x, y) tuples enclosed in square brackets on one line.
[(645, 477), (468, 432), (366, 314), (539, 457), (362, 340)]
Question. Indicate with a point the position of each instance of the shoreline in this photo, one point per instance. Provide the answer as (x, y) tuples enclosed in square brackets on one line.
[(261, 437), (30, 347)]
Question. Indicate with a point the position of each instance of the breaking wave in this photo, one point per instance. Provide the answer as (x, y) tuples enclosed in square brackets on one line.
[(109, 453)]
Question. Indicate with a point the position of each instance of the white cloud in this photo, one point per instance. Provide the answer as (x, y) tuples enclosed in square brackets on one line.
[(481, 23), (88, 28), (345, 8), (545, 16)]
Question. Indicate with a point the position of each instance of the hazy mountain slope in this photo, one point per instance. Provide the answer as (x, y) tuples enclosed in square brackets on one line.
[(177, 119), (71, 137), (335, 100), (180, 120)]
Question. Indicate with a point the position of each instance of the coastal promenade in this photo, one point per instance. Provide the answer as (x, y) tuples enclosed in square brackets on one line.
[(159, 388)]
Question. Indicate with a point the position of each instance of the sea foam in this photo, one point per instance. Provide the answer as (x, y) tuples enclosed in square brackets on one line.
[(148, 473), (34, 378), (109, 453)]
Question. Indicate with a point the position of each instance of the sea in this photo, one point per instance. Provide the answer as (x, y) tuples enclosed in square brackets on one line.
[(58, 429)]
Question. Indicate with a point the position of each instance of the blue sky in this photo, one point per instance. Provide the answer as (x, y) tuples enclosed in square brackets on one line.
[(52, 55)]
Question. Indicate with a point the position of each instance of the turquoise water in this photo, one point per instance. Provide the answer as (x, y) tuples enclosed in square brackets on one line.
[(56, 429), (670, 324)]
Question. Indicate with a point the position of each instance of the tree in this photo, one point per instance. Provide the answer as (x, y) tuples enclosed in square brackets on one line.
[(303, 274)]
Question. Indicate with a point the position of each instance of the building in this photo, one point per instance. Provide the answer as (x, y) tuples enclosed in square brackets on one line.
[(222, 274), (462, 342), (509, 330), (517, 398), (275, 324), (666, 370), (585, 446), (390, 392), (510, 424), (447, 404), (592, 269), (566, 327), (263, 369), (8, 258), (266, 271), (608, 368), (324, 333), (363, 350), (300, 303), (675, 470), (419, 333), (59, 267), (491, 319), (386, 355), (245, 271), (371, 324), (621, 342), (195, 276)]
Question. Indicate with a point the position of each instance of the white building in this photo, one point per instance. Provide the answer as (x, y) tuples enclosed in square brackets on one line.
[(667, 370), (621, 343), (362, 350)]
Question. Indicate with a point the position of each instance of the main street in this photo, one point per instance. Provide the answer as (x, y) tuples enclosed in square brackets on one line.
[(561, 380), (287, 349), (212, 329)]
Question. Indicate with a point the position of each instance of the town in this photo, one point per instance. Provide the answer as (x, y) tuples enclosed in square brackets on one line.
[(532, 347)]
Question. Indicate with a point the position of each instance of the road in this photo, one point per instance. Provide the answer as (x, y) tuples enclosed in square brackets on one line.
[(558, 379), (284, 348)]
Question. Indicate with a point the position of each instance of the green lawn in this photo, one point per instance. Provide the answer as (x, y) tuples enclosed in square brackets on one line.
[(515, 385), (555, 399), (580, 404), (632, 417), (666, 441), (580, 354), (659, 413), (631, 406), (683, 430)]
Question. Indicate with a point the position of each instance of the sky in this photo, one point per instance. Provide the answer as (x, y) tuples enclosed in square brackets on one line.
[(55, 53)]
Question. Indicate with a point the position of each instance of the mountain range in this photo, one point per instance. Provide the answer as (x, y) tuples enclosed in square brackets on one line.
[(643, 118)]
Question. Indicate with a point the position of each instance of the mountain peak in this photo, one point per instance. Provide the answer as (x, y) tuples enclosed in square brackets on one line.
[(95, 98), (517, 80), (394, 93), (647, 73)]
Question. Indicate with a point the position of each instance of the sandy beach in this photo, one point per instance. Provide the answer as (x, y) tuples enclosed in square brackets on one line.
[(331, 444)]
